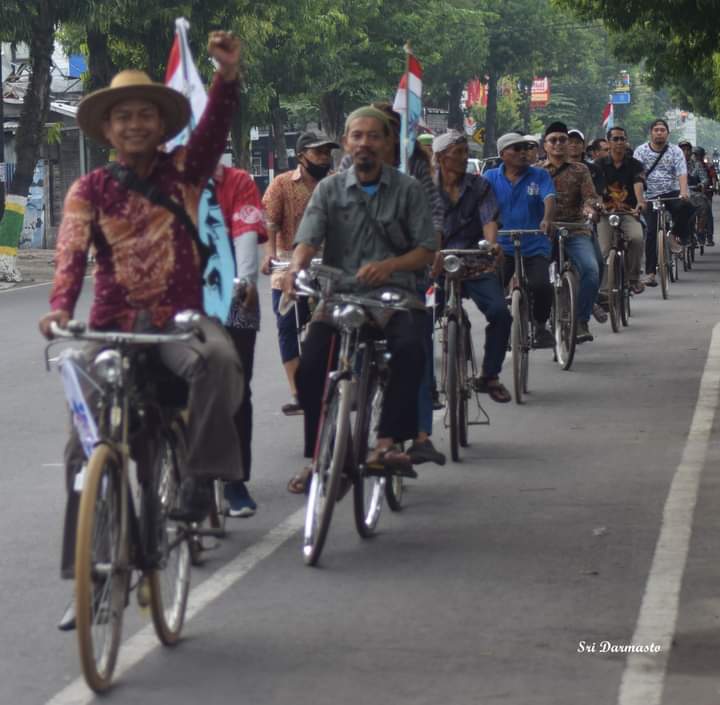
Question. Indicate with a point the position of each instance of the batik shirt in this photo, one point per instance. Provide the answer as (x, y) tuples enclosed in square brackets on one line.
[(574, 190), (146, 259)]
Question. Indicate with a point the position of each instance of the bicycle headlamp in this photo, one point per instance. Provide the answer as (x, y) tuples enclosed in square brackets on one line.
[(108, 366), (614, 220), (452, 264), (563, 232), (349, 316)]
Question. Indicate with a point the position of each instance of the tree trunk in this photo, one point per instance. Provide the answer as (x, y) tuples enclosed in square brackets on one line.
[(526, 96), (240, 135), (277, 117), (489, 148), (28, 137), (455, 114), (332, 115), (101, 70)]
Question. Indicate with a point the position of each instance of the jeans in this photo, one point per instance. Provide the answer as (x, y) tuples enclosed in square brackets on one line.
[(425, 400), (581, 251), (487, 294), (404, 334), (287, 326)]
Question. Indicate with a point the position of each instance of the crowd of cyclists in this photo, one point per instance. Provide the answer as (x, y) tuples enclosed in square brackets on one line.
[(383, 231)]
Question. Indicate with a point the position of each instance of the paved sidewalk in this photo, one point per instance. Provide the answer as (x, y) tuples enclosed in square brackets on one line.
[(36, 266)]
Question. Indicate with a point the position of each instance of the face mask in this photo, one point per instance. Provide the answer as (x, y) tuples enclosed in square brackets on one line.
[(317, 171)]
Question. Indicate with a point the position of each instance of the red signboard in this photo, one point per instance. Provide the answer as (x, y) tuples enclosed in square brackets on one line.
[(540, 92)]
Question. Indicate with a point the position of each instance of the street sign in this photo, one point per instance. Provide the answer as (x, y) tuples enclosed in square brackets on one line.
[(620, 97), (479, 135)]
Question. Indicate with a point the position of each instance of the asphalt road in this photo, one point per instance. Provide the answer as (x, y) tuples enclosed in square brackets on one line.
[(546, 535)]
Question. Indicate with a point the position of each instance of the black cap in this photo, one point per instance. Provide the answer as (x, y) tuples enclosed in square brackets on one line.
[(312, 139), (556, 127)]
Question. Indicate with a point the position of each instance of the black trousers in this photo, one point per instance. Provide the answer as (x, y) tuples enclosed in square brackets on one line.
[(538, 276), (399, 419), (244, 340), (682, 211)]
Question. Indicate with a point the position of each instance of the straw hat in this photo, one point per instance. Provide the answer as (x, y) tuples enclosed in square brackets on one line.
[(133, 85)]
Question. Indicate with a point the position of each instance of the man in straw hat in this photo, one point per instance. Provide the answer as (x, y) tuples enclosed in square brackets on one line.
[(148, 257)]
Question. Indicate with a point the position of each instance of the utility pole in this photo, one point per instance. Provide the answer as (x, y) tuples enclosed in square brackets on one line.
[(3, 186)]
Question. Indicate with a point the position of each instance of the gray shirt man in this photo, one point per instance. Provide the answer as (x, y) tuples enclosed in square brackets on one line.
[(354, 227)]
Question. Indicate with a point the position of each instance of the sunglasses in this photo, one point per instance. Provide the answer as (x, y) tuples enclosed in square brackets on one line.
[(522, 147), (618, 138), (557, 140)]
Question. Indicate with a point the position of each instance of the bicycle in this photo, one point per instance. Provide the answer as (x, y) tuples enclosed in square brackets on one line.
[(357, 381), (565, 294), (522, 332), (618, 284), (665, 267), (125, 520), (459, 369)]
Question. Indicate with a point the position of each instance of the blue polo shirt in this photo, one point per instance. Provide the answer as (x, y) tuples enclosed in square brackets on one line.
[(522, 206)]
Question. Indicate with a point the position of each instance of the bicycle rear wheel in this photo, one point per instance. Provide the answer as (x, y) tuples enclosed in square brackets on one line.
[(327, 470), (517, 342), (169, 580), (565, 319), (662, 268), (452, 389), (614, 289), (368, 490), (101, 567)]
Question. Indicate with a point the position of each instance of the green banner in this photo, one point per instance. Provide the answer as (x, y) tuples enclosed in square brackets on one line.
[(12, 224)]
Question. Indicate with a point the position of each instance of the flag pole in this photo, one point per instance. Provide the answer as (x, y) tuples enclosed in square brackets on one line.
[(405, 123)]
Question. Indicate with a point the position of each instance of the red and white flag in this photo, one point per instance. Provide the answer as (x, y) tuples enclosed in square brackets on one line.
[(408, 103), (608, 116), (183, 76)]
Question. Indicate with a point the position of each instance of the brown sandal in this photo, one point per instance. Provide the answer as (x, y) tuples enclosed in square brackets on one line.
[(494, 388), (300, 482), (390, 460)]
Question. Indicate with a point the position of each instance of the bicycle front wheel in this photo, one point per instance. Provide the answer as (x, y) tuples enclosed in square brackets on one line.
[(368, 490), (614, 289), (517, 341), (169, 580), (565, 319), (452, 389), (662, 266), (466, 366), (101, 567), (325, 483)]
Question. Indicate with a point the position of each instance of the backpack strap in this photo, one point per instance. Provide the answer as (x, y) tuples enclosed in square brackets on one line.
[(657, 161)]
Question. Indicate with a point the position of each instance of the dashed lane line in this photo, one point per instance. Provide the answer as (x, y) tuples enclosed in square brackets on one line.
[(141, 644)]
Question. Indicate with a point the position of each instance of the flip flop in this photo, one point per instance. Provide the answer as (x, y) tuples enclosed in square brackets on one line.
[(300, 482)]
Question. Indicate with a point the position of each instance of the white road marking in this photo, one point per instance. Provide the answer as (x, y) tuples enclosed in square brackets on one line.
[(644, 676), (20, 286), (141, 644), (53, 465)]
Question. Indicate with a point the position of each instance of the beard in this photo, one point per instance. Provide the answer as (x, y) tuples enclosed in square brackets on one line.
[(365, 161)]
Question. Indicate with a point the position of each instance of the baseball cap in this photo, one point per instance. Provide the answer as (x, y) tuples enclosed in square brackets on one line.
[(425, 138), (531, 138), (312, 139), (576, 133), (509, 139)]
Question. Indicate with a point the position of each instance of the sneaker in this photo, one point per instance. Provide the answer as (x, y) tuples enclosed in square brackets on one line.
[(650, 280), (599, 314), (240, 503), (543, 337), (425, 452), (292, 408), (67, 622), (583, 333)]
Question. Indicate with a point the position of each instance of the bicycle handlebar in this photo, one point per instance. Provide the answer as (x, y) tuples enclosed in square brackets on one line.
[(77, 330)]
